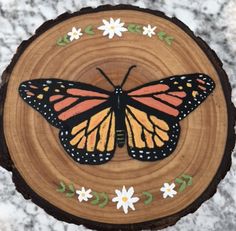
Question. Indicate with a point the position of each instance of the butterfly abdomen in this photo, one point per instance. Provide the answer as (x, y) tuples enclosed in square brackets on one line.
[(120, 138)]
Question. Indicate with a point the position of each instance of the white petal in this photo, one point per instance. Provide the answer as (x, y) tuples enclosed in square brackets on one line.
[(112, 21), (165, 195), (103, 27), (118, 192), (131, 206), (106, 32), (117, 21), (170, 195), (105, 22), (124, 191), (163, 189), (123, 29), (130, 191), (74, 30), (173, 192), (111, 34), (89, 196), (115, 199), (83, 189), (72, 38), (119, 204), (166, 185), (80, 198), (134, 199), (78, 192), (125, 208), (88, 191), (117, 32), (172, 186)]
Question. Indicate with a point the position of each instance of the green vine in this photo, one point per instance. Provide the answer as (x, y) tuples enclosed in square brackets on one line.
[(184, 181), (134, 28), (97, 200), (149, 198), (63, 188), (166, 38), (62, 41), (89, 30)]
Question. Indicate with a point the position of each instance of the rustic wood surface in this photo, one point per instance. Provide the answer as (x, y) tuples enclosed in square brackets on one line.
[(31, 147)]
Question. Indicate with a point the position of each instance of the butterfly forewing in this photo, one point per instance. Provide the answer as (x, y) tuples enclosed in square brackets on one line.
[(174, 97)]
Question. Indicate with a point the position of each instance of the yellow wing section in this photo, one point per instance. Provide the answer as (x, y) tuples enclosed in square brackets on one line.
[(149, 137), (92, 141)]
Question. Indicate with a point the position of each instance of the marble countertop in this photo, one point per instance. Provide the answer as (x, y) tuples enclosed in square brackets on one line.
[(213, 20)]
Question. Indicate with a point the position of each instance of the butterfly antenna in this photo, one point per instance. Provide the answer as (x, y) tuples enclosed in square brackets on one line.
[(127, 75), (105, 76)]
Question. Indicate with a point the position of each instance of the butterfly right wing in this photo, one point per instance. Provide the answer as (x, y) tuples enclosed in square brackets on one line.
[(92, 141)]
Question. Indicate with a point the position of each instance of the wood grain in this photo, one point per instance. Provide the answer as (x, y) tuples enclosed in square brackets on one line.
[(38, 159)]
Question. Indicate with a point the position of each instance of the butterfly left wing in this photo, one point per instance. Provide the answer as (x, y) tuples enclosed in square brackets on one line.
[(81, 111), (154, 110)]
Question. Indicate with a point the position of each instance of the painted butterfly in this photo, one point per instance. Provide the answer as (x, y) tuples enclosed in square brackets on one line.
[(93, 121)]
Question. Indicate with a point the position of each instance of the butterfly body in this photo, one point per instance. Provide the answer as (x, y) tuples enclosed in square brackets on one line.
[(119, 110), (93, 121)]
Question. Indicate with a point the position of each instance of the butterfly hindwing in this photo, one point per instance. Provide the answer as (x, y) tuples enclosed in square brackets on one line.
[(92, 141), (175, 97), (149, 138)]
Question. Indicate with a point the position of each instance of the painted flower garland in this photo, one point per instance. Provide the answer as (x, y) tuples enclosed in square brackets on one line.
[(125, 198), (115, 28)]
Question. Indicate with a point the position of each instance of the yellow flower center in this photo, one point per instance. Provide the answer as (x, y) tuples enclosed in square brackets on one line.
[(112, 27), (168, 190), (75, 33), (124, 199), (82, 194)]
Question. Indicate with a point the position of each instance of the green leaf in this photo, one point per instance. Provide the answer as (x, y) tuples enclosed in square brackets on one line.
[(169, 40), (106, 199), (96, 200), (70, 194), (138, 29), (179, 181), (189, 178), (89, 30), (131, 28), (161, 35), (71, 188), (62, 187), (182, 187), (60, 42), (149, 198), (66, 39)]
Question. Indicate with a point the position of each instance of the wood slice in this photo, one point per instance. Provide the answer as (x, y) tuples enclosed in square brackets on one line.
[(48, 174)]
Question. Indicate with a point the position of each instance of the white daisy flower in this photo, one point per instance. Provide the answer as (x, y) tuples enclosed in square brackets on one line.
[(149, 31), (168, 190), (84, 194), (124, 199), (112, 28), (75, 34)]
